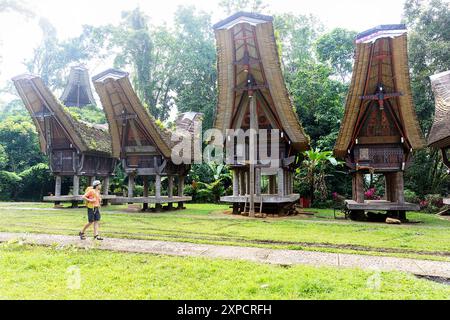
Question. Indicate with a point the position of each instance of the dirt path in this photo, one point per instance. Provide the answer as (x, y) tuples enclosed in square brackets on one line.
[(272, 256)]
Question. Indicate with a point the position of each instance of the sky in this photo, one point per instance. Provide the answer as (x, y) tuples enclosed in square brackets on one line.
[(19, 36)]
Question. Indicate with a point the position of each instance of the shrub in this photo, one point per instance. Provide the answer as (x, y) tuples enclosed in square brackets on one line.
[(411, 196), (9, 184), (371, 194), (432, 203)]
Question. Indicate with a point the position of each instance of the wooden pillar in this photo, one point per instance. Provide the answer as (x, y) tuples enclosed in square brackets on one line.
[(106, 186), (291, 182), (280, 182), (288, 183), (170, 186), (181, 191), (76, 190), (247, 183), (130, 186), (91, 181), (242, 183), (400, 187), (158, 186), (105, 190), (170, 191), (76, 186), (145, 193), (58, 186), (359, 187), (258, 181), (235, 183), (253, 157), (158, 206), (388, 187), (272, 184)]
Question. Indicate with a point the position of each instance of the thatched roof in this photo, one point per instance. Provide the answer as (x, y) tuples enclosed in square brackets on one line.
[(439, 136), (78, 92), (246, 40), (118, 97), (386, 45), (37, 98)]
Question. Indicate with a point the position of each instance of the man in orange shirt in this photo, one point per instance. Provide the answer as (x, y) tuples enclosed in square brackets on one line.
[(93, 199)]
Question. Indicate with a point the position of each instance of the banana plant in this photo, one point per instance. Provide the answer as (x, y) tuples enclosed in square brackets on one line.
[(315, 164)]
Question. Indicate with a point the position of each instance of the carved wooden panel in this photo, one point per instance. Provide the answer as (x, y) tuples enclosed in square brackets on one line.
[(379, 156), (378, 123)]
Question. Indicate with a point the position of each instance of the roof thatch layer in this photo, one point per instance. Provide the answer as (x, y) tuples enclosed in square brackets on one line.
[(246, 40), (38, 99), (118, 100), (78, 92), (392, 54), (439, 136)]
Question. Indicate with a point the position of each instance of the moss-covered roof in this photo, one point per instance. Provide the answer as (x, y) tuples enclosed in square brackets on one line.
[(86, 137)]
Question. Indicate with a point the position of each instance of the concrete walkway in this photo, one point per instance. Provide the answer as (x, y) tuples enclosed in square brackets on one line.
[(261, 255)]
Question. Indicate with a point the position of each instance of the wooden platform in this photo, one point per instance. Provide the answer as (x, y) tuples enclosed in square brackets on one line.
[(447, 201), (159, 200), (72, 198), (381, 205), (266, 198)]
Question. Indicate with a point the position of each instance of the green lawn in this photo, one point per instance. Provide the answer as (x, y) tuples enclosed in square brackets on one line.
[(202, 223), (29, 272)]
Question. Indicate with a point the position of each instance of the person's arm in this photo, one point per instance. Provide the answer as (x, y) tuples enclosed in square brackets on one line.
[(88, 196)]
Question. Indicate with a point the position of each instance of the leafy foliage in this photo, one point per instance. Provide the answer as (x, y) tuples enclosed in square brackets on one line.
[(20, 141), (429, 53), (314, 172)]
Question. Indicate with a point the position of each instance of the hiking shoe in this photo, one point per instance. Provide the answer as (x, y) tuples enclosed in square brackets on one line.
[(82, 236)]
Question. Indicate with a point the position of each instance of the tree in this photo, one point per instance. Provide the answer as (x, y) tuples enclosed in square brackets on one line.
[(296, 36), (195, 53), (429, 50), (52, 58), (148, 52), (336, 49), (3, 157), (20, 141), (429, 53), (319, 101), (35, 182)]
